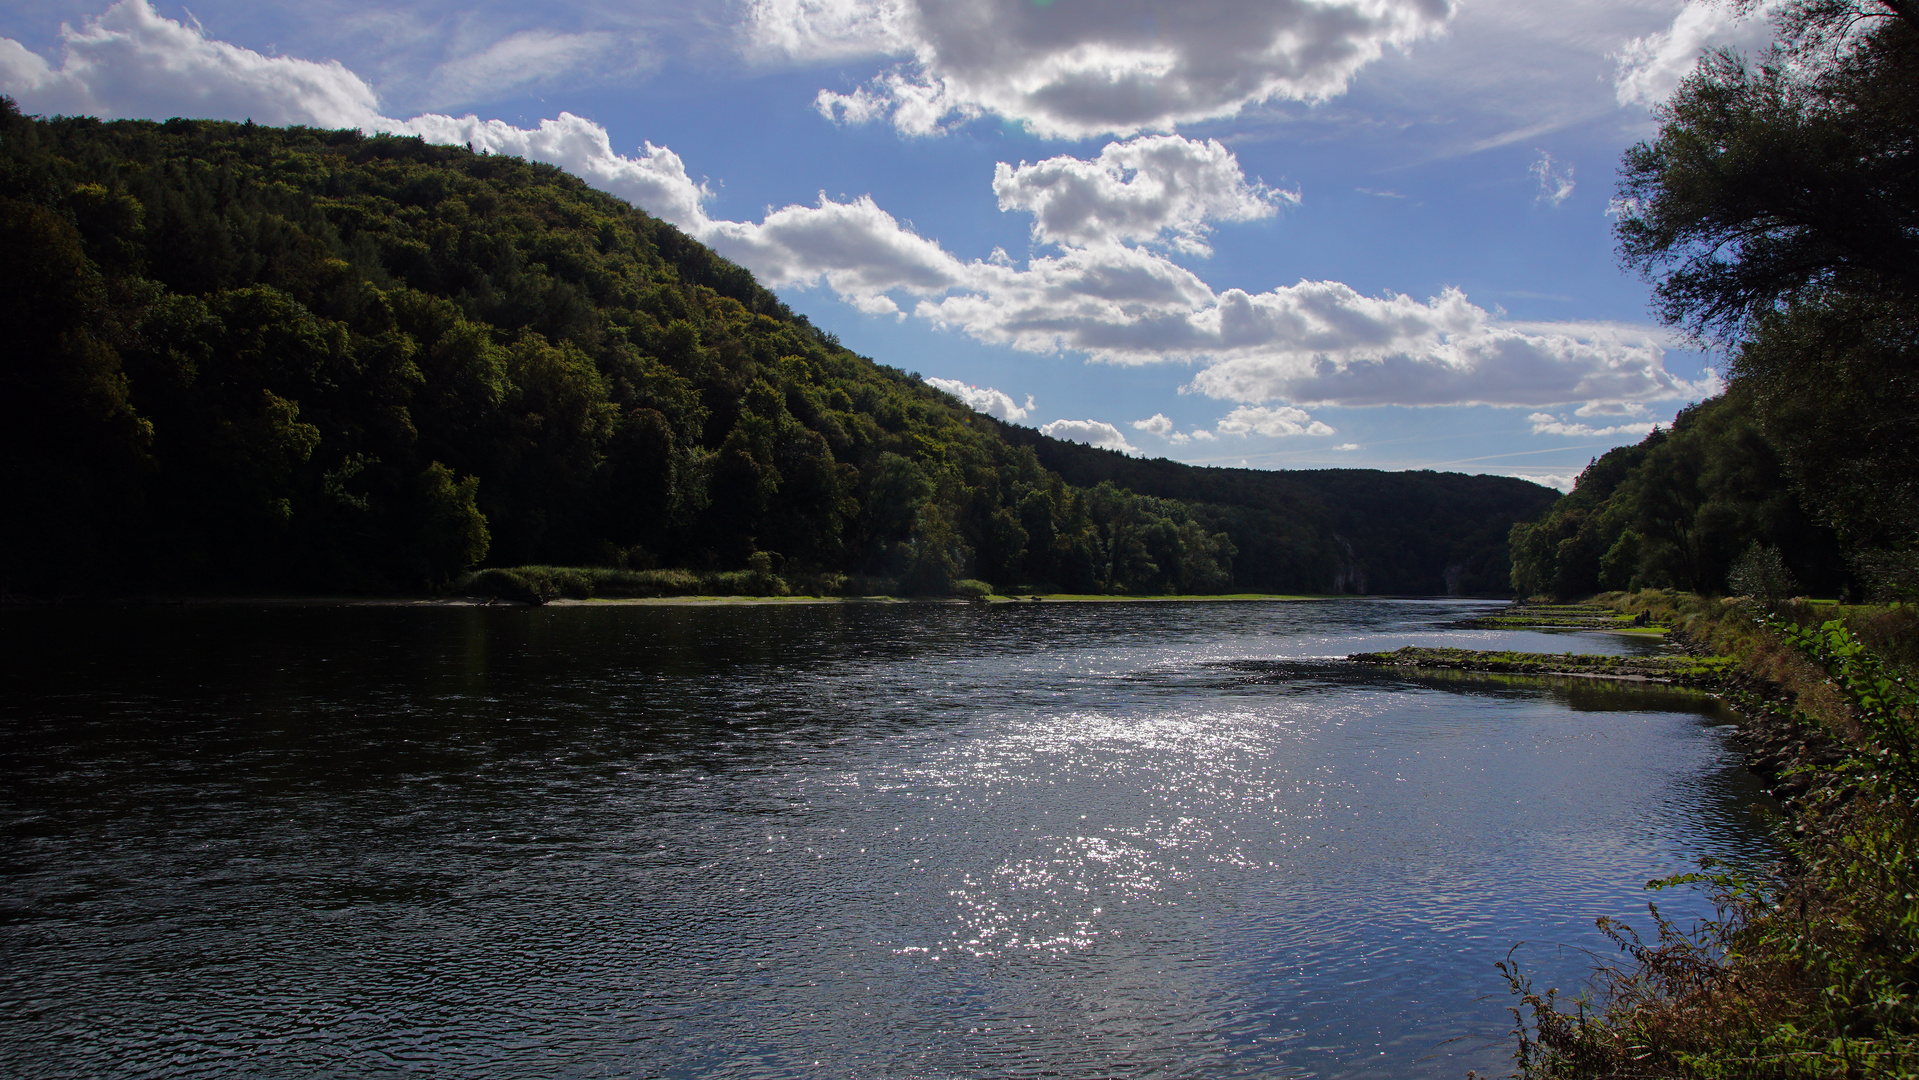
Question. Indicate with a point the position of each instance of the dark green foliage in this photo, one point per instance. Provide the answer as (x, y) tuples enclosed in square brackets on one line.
[(1778, 213), (1675, 511), (1329, 530), (245, 358), (1793, 176), (1835, 385)]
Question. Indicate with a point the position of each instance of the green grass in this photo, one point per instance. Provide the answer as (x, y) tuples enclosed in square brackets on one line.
[(543, 584), (1528, 616), (1686, 670), (1810, 969)]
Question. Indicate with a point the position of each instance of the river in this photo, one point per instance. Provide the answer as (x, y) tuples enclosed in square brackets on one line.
[(885, 841)]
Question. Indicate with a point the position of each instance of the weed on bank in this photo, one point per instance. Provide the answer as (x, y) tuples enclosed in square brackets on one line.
[(1809, 970)]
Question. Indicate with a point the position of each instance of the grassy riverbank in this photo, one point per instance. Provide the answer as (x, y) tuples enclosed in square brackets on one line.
[(560, 584), (1811, 969)]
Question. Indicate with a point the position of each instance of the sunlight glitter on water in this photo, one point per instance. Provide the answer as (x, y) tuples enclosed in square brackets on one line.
[(1143, 840)]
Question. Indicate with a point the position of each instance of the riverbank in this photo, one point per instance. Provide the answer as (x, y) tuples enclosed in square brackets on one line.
[(660, 601), (1812, 969), (563, 584)]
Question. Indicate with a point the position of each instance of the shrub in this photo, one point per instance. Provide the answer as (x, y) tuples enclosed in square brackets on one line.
[(1761, 574)]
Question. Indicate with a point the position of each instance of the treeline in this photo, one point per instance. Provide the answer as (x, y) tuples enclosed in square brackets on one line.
[(1358, 530), (246, 358), (1777, 214), (1700, 507)]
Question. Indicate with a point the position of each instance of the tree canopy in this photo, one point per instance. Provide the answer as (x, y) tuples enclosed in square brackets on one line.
[(1791, 175), (247, 358), (1777, 214)]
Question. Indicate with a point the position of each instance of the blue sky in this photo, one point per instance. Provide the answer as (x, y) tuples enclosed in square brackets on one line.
[(1287, 234)]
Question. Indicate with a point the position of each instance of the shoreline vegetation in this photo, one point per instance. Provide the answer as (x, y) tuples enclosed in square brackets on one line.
[(242, 600), (538, 585), (1809, 967)]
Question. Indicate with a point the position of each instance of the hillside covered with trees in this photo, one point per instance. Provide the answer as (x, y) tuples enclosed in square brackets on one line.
[(243, 358), (1777, 216)]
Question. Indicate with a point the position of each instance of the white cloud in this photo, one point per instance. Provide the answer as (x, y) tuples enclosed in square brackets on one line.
[(1157, 424), (1612, 408), (986, 399), (1650, 68), (1548, 424), (1141, 190), (1275, 422), (828, 29), (1562, 481), (1347, 446), (520, 60), (1074, 70), (131, 62), (1161, 425), (856, 248), (1555, 182), (656, 180), (1323, 343), (1105, 294), (1091, 432)]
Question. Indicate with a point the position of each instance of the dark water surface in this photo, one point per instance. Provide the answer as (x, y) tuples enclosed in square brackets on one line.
[(1121, 840)]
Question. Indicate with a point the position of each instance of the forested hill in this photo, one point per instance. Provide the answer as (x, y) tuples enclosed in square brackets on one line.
[(1420, 532), (246, 358)]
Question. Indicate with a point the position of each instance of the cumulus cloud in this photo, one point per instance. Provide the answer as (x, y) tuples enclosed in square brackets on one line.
[(1275, 422), (1323, 343), (986, 399), (1142, 190), (1074, 70), (856, 248), (1555, 180), (656, 180), (1650, 68), (132, 62), (1107, 292), (1091, 432)]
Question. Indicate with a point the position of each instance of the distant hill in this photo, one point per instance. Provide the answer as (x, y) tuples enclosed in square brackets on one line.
[(1386, 532), (245, 358)]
